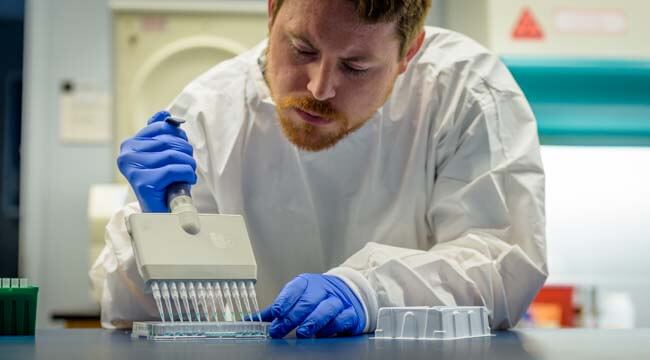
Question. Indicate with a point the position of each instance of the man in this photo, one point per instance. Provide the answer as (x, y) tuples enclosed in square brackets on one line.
[(400, 161)]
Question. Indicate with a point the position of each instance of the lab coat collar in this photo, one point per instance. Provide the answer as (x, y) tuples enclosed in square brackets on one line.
[(261, 94)]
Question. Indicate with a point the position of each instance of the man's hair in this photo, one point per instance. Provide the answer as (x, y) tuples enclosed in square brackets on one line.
[(408, 14)]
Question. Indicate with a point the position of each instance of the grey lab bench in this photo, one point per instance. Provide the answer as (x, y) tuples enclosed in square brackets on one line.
[(531, 344)]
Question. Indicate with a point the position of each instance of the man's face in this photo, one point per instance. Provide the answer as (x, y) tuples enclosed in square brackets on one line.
[(328, 72)]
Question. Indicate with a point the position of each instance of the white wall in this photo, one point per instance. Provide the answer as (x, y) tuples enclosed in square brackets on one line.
[(65, 40), (598, 220)]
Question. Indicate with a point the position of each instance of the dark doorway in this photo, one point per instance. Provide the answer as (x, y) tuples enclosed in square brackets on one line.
[(12, 20)]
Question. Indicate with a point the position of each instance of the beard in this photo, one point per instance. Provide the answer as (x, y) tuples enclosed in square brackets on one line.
[(305, 135)]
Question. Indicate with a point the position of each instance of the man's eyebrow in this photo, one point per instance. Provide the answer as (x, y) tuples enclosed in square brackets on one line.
[(301, 38)]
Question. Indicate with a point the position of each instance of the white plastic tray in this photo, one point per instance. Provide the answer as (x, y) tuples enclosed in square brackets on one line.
[(432, 323)]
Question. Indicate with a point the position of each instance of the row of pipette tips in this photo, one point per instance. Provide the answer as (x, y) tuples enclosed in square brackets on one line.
[(207, 299)]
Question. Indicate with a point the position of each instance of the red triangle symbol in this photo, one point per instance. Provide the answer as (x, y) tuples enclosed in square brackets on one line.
[(527, 27)]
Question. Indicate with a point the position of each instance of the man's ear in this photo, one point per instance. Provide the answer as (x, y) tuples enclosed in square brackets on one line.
[(416, 44), (270, 4)]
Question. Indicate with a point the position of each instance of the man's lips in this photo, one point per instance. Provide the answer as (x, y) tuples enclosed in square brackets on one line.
[(312, 119)]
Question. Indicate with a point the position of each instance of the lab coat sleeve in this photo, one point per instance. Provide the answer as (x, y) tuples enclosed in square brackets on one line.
[(485, 216), (123, 294)]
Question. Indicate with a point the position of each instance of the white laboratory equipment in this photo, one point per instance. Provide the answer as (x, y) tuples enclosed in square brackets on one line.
[(567, 28), (432, 323), (160, 46)]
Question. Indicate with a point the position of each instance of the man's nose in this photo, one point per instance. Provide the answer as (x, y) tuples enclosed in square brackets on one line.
[(321, 81)]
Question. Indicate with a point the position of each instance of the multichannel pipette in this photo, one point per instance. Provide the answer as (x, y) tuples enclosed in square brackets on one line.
[(201, 267)]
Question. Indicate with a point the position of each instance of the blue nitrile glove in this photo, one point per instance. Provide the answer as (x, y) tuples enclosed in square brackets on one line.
[(318, 305), (155, 157)]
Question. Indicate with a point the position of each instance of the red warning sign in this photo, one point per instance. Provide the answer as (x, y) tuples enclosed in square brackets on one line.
[(527, 27)]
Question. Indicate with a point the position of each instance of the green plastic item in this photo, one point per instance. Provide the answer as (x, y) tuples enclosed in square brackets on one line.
[(18, 310)]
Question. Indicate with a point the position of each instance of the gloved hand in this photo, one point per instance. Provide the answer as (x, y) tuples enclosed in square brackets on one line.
[(154, 158), (318, 305)]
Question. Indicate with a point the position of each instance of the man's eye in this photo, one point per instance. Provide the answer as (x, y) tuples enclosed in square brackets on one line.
[(353, 70), (303, 52)]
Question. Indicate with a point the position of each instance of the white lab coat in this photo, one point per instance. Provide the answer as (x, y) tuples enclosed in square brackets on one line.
[(437, 200)]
